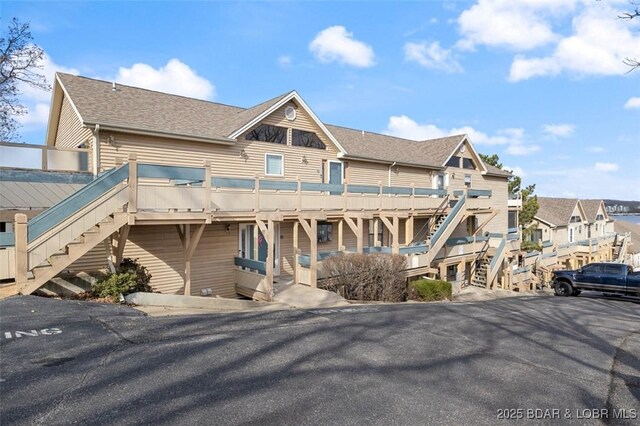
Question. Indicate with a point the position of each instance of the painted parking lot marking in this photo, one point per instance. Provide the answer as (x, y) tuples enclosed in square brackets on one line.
[(30, 333)]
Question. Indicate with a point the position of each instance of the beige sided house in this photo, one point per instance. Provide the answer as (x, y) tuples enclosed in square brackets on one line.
[(222, 200), (574, 232)]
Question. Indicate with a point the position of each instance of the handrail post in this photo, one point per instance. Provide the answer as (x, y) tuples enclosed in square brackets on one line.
[(299, 191), (413, 196), (380, 196), (45, 158), (256, 206), (207, 186), (345, 201), (133, 184), (21, 253)]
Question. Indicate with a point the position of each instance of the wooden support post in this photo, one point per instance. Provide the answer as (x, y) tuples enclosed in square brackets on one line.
[(314, 253), (271, 241), (443, 271), (187, 261), (376, 225), (408, 230), (311, 229), (340, 235), (296, 252), (21, 254), (207, 187), (132, 208), (123, 235), (268, 235)]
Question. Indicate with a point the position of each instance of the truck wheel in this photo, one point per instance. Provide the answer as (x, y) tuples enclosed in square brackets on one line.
[(563, 288)]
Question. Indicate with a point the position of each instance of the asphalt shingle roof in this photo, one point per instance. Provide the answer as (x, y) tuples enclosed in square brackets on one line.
[(556, 211), (142, 109), (590, 208)]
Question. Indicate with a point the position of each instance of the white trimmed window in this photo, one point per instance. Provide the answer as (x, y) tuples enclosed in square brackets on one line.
[(274, 164)]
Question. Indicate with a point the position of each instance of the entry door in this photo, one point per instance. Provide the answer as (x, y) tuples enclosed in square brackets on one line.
[(248, 245)]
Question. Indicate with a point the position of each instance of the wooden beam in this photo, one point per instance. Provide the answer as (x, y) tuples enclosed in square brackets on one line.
[(187, 261), (296, 226), (313, 273), (21, 253), (195, 239), (408, 230), (181, 234), (340, 235), (263, 228), (394, 230), (123, 235), (271, 249), (356, 228)]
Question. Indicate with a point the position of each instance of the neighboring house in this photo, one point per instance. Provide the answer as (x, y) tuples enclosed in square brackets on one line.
[(574, 232), (599, 222), (560, 221)]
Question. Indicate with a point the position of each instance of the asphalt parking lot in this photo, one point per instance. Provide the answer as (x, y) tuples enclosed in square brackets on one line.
[(544, 360)]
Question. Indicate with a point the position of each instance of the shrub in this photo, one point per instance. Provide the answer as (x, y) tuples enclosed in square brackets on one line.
[(367, 277), (130, 277), (430, 290)]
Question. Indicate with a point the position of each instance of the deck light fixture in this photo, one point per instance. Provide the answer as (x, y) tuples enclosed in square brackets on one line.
[(304, 160), (243, 154)]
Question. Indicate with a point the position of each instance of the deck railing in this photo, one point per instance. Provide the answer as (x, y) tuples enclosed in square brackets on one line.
[(44, 157)]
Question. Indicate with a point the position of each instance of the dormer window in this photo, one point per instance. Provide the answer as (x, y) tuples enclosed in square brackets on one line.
[(467, 163), (454, 162), (575, 219), (306, 139), (268, 133)]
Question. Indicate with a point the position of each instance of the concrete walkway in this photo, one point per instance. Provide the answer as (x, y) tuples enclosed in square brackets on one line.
[(302, 296), (477, 294)]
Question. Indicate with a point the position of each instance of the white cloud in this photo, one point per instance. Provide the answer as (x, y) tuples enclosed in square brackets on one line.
[(597, 46), (595, 149), (37, 100), (606, 167), (175, 77), (517, 170), (431, 55), (559, 130), (585, 182), (49, 68), (519, 25), (38, 115), (513, 138), (522, 149), (404, 127), (633, 102), (284, 61), (336, 44)]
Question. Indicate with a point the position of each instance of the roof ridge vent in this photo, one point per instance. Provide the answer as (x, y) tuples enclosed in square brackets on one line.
[(113, 86)]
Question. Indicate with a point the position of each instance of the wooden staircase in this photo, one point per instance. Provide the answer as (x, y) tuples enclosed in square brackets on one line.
[(73, 251)]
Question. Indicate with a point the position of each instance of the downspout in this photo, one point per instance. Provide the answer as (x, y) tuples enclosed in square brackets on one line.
[(96, 150)]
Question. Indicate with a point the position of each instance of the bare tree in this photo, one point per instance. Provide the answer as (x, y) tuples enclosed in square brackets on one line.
[(20, 63), (633, 63)]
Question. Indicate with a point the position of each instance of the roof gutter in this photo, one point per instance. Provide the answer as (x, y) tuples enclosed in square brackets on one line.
[(145, 132), (390, 163)]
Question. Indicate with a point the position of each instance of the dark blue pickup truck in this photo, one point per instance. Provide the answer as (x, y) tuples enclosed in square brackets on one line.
[(605, 277)]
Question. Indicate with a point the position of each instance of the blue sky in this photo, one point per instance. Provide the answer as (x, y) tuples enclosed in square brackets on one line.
[(539, 82)]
